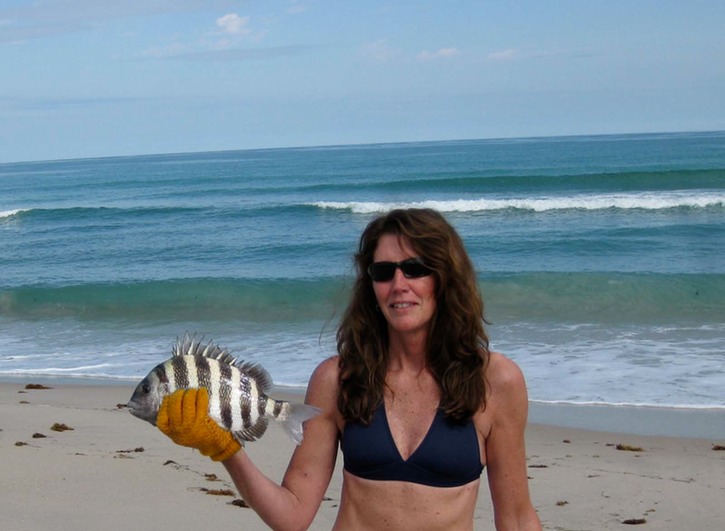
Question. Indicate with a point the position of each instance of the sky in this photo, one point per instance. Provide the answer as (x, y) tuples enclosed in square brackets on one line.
[(95, 78)]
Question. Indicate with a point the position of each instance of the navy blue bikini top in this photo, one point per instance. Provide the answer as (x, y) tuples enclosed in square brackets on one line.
[(448, 456)]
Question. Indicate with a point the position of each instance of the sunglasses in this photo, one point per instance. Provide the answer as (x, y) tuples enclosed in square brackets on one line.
[(411, 268)]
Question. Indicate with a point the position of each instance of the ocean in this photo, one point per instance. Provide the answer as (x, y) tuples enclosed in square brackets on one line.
[(601, 259)]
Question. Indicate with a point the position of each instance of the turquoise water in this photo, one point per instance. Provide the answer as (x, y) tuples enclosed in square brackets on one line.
[(601, 259)]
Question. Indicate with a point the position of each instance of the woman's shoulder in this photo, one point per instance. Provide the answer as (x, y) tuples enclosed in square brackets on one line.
[(328, 368), (323, 389), (326, 375), (504, 375), (506, 396)]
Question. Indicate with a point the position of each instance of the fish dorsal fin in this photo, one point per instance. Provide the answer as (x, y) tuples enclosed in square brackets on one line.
[(257, 373), (191, 346)]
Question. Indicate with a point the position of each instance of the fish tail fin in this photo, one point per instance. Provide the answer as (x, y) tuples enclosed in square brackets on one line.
[(296, 415)]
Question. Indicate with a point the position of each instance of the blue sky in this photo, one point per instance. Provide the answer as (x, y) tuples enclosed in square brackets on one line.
[(88, 78)]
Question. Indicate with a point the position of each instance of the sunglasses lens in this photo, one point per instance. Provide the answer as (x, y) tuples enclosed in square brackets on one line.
[(414, 269), (385, 271), (382, 271)]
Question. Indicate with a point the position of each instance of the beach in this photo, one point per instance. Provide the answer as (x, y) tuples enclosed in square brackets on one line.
[(112, 471)]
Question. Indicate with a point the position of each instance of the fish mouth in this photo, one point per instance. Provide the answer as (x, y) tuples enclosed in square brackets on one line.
[(137, 410)]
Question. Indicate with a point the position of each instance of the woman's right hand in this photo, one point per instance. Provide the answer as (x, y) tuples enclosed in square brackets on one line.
[(184, 418)]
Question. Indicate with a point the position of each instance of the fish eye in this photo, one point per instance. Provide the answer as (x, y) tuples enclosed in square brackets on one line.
[(145, 388)]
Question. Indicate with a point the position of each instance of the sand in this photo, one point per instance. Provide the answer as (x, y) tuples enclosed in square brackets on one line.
[(113, 471)]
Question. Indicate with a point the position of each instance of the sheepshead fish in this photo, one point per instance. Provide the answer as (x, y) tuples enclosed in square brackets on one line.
[(237, 391)]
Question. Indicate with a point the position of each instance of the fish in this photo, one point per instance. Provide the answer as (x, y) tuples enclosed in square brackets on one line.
[(238, 400)]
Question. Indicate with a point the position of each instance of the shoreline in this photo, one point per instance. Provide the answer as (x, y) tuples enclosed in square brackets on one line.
[(115, 471), (691, 422), (680, 422)]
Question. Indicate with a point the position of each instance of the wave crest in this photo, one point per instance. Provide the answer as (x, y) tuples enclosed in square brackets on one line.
[(12, 213), (543, 204)]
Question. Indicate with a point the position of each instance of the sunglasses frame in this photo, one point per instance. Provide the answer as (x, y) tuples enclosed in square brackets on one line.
[(421, 269)]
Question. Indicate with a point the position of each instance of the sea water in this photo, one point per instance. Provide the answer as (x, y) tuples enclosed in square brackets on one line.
[(601, 259)]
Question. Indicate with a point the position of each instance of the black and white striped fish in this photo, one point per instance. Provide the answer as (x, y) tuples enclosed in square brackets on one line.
[(237, 399)]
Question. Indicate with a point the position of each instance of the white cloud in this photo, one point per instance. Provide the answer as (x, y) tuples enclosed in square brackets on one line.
[(443, 53), (237, 54), (296, 8), (504, 55), (163, 52), (233, 24), (379, 51), (513, 54)]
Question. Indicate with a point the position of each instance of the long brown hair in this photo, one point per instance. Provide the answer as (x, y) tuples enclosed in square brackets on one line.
[(457, 344)]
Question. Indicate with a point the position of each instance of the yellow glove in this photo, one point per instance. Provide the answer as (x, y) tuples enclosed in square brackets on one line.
[(184, 418)]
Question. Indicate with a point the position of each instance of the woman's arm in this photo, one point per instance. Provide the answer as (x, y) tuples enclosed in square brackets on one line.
[(294, 503), (505, 447)]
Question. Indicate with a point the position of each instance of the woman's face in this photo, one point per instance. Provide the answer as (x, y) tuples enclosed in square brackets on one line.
[(408, 304)]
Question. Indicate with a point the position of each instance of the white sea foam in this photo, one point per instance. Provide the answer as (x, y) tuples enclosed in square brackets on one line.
[(643, 201), (80, 370), (625, 365), (11, 213), (624, 404)]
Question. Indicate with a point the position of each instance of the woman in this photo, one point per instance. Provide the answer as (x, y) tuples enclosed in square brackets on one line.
[(417, 402)]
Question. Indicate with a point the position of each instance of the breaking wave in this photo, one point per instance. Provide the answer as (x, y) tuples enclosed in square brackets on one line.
[(666, 201)]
